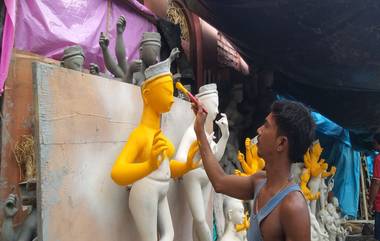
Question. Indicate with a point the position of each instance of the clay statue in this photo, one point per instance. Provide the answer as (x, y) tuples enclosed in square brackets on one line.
[(328, 222), (150, 47), (119, 69), (318, 232), (145, 161), (338, 220), (318, 169), (94, 69), (27, 231), (309, 195), (296, 171), (324, 190), (196, 183), (242, 228), (234, 216), (73, 58), (250, 162)]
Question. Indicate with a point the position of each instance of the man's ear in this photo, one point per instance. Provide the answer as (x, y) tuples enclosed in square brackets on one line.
[(282, 142), (145, 94)]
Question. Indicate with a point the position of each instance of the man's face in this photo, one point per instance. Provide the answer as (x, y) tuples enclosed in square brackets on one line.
[(267, 136)]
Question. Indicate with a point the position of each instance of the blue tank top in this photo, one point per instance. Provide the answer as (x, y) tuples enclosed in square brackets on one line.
[(254, 233)]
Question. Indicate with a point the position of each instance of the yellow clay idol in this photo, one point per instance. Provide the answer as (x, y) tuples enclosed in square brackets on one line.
[(145, 161)]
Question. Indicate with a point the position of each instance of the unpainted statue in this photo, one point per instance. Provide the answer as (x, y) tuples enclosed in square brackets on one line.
[(338, 220), (328, 222), (318, 232), (146, 159), (150, 47), (27, 231), (196, 183), (73, 58), (94, 69), (121, 69), (234, 216), (237, 122), (324, 190), (296, 171)]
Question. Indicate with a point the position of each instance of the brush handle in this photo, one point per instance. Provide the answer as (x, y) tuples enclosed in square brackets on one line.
[(196, 101), (192, 98)]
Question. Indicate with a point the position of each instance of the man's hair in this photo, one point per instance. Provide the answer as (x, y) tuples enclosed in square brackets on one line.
[(294, 121), (376, 138)]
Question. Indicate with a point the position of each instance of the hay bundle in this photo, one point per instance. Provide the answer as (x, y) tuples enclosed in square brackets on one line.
[(25, 157)]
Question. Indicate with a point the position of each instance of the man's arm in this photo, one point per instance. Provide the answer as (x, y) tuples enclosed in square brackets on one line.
[(295, 218), (231, 185)]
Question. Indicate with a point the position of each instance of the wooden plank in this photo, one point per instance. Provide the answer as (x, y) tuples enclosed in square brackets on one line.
[(16, 117)]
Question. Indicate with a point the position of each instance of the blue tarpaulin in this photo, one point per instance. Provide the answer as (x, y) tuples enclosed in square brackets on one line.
[(338, 152)]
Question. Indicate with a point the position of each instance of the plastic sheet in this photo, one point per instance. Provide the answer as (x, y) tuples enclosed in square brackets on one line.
[(7, 42), (46, 27)]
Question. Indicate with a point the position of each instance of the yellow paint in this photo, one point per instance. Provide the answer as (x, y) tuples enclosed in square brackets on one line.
[(305, 177), (181, 88), (251, 163), (193, 99), (318, 167), (147, 146), (330, 173), (244, 225)]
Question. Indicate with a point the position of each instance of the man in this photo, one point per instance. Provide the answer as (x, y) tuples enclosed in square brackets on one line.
[(280, 211), (374, 195)]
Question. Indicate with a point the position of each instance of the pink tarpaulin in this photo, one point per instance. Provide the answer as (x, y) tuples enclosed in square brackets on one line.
[(46, 27), (8, 38)]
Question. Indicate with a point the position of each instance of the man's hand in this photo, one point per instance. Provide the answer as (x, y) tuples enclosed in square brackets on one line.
[(121, 23), (159, 148), (103, 41), (10, 206), (200, 117)]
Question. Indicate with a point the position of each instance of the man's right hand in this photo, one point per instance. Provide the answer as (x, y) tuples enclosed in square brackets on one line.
[(10, 206), (200, 117)]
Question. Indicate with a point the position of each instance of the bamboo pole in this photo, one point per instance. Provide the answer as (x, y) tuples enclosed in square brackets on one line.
[(363, 189)]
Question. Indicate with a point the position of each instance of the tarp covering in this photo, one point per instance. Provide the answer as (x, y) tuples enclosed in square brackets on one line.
[(347, 177), (7, 40), (328, 50), (46, 27), (338, 152)]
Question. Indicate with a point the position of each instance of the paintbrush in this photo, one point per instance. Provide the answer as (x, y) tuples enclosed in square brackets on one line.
[(192, 98)]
